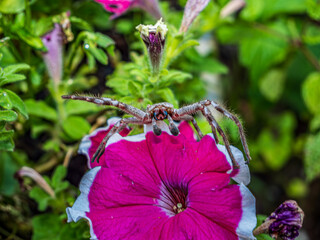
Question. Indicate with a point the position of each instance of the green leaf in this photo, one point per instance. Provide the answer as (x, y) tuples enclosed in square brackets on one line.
[(313, 9), (12, 6), (167, 95), (16, 68), (8, 115), (41, 197), (30, 39), (312, 156), (311, 92), (76, 127), (12, 78), (80, 23), (98, 53), (17, 103), (7, 145), (272, 84), (103, 40), (6, 135), (8, 167), (134, 89), (58, 176), (46, 226), (297, 188), (40, 109), (5, 101), (78, 107)]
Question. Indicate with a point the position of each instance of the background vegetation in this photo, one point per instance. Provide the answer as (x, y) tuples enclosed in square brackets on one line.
[(261, 62)]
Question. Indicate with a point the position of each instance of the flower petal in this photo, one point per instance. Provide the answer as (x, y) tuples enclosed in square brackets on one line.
[(81, 205), (248, 219), (90, 143), (241, 175), (118, 7), (190, 224)]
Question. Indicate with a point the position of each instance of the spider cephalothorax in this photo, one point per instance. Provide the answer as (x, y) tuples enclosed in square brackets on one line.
[(161, 111)]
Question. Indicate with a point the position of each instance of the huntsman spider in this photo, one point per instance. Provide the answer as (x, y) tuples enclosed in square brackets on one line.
[(162, 111)]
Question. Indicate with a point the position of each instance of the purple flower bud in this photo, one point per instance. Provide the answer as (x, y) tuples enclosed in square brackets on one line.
[(154, 38), (191, 11), (53, 57), (285, 222), (288, 218)]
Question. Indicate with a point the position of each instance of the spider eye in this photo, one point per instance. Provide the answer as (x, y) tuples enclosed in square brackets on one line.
[(155, 116)]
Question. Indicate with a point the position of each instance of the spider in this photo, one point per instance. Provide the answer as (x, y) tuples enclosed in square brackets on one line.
[(162, 111)]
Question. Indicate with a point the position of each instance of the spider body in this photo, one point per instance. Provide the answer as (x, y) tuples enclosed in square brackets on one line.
[(161, 111)]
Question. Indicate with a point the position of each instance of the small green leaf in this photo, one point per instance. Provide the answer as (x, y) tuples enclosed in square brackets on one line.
[(76, 127), (16, 68), (103, 40), (134, 89), (12, 6), (7, 145), (30, 39), (312, 156), (98, 53), (80, 23), (47, 226), (12, 78), (58, 176), (78, 107), (167, 95), (272, 84), (8, 167), (40, 109), (41, 197), (313, 9), (17, 103), (6, 135), (311, 92), (5, 101), (8, 115)]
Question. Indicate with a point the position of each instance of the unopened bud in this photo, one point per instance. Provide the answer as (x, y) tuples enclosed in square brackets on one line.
[(154, 38), (284, 222)]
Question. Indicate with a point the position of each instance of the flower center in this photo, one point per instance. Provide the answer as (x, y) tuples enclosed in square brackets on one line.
[(173, 198)]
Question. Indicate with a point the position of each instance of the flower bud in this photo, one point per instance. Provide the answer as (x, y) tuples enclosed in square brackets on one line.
[(284, 222), (154, 38)]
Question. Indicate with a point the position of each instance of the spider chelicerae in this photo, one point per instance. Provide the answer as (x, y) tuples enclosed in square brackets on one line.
[(162, 111)]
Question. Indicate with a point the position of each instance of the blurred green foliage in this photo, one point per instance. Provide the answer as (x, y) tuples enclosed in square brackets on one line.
[(263, 61)]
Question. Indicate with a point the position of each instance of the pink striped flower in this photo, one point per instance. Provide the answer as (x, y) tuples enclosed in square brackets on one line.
[(119, 7), (164, 187)]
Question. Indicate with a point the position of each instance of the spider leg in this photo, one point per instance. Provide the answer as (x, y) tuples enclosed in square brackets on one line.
[(120, 125), (139, 114), (194, 123), (214, 125), (172, 127), (239, 125), (156, 130), (192, 108)]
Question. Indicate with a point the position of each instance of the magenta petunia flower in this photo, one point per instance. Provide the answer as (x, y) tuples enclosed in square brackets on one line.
[(119, 7), (164, 187)]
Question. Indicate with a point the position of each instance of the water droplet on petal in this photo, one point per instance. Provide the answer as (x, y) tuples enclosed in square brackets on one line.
[(111, 217), (132, 183), (201, 173)]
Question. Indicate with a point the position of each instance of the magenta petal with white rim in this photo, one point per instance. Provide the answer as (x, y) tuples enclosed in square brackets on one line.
[(164, 187)]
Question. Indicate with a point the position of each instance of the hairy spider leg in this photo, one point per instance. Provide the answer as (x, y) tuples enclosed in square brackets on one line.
[(172, 127), (156, 130), (120, 125), (213, 123), (193, 108), (110, 102), (239, 125), (194, 123)]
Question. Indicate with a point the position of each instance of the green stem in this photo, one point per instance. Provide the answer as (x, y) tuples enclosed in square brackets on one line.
[(310, 57), (27, 22)]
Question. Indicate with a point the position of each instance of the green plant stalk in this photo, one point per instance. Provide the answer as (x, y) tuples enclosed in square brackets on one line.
[(27, 22)]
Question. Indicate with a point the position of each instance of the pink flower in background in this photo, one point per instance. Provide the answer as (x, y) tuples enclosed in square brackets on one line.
[(53, 57), (163, 187), (118, 7)]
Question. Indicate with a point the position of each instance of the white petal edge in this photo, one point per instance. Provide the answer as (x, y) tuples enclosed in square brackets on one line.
[(86, 142), (243, 176), (248, 220), (81, 205)]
